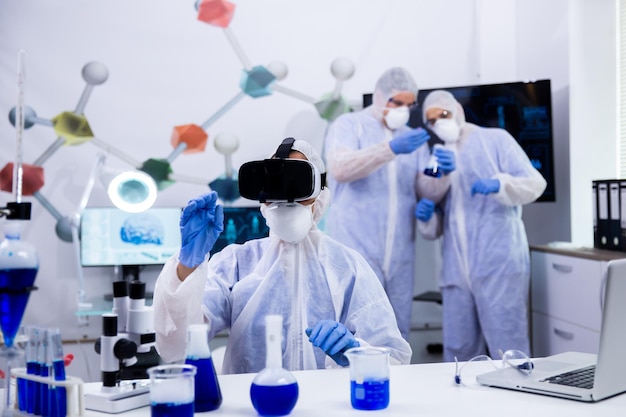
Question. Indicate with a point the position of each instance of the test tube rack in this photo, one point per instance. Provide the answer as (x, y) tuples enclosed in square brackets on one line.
[(74, 388)]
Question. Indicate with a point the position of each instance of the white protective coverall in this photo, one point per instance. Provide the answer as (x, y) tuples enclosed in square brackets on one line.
[(374, 193), (315, 279), (486, 263)]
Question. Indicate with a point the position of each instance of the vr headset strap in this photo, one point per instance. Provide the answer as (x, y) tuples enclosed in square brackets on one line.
[(284, 148)]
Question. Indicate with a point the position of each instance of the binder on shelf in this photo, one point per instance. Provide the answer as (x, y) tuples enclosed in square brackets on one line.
[(609, 214)]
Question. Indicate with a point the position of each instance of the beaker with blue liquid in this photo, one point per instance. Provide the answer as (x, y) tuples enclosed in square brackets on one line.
[(172, 390), (369, 377)]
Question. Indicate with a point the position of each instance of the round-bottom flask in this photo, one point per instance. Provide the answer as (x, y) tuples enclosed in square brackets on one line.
[(274, 390)]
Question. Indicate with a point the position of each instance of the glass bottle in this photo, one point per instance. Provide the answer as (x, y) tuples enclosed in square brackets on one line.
[(208, 396), (274, 390), (432, 168)]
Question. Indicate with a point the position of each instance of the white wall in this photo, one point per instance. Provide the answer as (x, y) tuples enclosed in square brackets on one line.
[(167, 69)]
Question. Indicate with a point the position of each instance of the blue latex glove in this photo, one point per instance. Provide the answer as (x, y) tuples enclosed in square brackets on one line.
[(409, 141), (201, 223), (424, 210), (446, 161), (333, 338), (485, 186)]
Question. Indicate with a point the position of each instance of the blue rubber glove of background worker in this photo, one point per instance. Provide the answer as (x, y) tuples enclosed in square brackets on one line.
[(446, 161), (409, 141), (201, 223), (424, 210), (486, 186), (333, 338)]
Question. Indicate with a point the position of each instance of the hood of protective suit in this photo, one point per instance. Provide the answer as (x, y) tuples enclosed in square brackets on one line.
[(444, 100), (392, 82)]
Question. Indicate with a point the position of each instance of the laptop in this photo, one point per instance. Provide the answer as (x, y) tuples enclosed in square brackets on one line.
[(558, 375)]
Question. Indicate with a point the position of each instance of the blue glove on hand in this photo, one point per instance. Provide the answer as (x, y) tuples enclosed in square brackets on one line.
[(333, 338), (201, 223), (446, 161), (485, 186), (424, 210), (409, 141)]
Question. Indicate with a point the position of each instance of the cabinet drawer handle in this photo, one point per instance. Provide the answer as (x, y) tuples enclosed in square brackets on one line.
[(563, 334), (563, 268)]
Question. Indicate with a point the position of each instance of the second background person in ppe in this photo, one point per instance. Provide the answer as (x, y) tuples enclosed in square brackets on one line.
[(486, 263)]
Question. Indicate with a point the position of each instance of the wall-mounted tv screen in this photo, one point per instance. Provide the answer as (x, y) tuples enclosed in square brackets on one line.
[(524, 109), (110, 236)]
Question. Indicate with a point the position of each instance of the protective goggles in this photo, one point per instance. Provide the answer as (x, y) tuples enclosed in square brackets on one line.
[(280, 179)]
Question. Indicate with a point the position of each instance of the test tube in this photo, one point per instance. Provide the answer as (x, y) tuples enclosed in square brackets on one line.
[(44, 371), (58, 395), (32, 368)]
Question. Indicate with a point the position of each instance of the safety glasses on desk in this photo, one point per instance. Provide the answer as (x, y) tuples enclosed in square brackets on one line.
[(513, 358)]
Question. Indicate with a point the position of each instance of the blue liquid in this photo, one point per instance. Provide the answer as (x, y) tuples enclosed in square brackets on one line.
[(432, 172), (274, 400), (22, 399), (171, 409), (13, 299), (58, 395), (370, 395), (32, 389), (208, 396), (44, 391)]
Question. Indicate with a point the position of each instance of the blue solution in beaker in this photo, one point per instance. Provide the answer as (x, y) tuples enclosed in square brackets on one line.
[(171, 409), (274, 400), (208, 396), (15, 288), (370, 395)]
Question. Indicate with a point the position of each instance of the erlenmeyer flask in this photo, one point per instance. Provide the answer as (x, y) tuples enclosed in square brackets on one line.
[(208, 396)]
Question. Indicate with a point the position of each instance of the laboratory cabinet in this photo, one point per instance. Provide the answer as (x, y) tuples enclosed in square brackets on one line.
[(566, 292)]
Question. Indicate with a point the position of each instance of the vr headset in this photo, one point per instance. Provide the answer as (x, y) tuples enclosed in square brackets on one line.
[(280, 179)]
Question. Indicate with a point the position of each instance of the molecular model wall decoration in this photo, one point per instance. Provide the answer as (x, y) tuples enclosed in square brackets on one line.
[(257, 81)]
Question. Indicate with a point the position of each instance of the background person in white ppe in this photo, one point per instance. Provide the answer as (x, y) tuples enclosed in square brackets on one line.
[(486, 263), (373, 159), (329, 297)]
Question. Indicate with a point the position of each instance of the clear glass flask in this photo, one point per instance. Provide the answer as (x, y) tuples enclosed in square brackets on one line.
[(432, 168), (208, 396), (274, 390)]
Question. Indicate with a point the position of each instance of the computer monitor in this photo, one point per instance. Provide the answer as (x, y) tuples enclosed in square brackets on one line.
[(240, 225), (112, 237)]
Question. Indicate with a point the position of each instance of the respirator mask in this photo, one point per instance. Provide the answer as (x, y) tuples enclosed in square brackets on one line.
[(397, 117)]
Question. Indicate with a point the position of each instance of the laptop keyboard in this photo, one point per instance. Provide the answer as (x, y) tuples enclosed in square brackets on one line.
[(581, 378)]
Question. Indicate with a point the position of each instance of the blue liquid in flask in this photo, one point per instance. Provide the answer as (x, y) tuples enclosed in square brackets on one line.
[(370, 395), (15, 285), (171, 409), (274, 400), (208, 396)]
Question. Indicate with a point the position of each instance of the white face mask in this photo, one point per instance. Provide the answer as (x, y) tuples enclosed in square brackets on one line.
[(290, 222), (448, 130), (397, 117)]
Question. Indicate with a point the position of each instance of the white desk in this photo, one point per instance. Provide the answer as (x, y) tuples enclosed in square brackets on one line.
[(415, 390)]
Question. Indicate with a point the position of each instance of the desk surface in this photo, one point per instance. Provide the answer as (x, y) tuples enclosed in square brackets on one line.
[(415, 390)]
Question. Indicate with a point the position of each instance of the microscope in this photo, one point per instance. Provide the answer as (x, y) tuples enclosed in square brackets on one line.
[(127, 350)]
